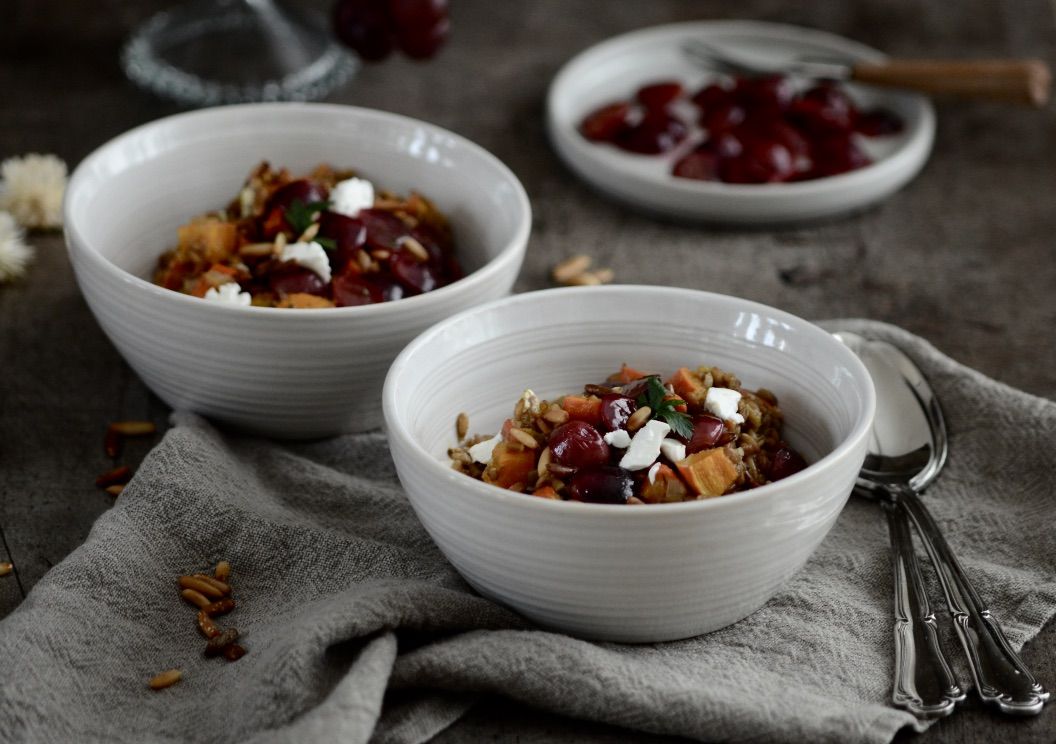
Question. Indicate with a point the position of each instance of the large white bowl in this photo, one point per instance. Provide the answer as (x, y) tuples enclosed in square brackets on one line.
[(625, 573), (283, 373)]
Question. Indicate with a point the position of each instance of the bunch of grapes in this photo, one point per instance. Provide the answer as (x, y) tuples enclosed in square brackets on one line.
[(373, 28)]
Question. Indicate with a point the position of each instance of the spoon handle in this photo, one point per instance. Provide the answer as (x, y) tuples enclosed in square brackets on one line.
[(924, 684), (1001, 677)]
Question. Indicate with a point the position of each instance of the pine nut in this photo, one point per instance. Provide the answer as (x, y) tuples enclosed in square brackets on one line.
[(556, 415), (309, 233), (586, 279), (461, 426), (221, 586), (133, 428), (115, 490), (165, 679), (638, 418), (6, 568), (203, 587), (570, 267), (524, 438), (415, 248), (223, 570), (195, 598), (544, 462), (218, 643), (604, 275)]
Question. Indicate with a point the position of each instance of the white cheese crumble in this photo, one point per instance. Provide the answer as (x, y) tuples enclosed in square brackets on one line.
[(723, 403), (673, 450), (230, 294), (309, 255), (653, 471), (619, 438), (351, 195), (481, 451), (645, 446)]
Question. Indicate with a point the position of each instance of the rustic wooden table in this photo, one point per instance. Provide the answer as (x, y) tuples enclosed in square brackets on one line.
[(962, 256)]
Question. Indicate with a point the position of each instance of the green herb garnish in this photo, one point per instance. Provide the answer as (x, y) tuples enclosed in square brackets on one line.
[(328, 243), (300, 216), (664, 410)]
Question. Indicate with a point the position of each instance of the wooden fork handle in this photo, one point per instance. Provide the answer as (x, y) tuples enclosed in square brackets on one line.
[(1024, 81)]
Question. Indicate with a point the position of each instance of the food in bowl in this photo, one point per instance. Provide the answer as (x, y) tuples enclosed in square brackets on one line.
[(636, 440), (324, 239), (751, 129)]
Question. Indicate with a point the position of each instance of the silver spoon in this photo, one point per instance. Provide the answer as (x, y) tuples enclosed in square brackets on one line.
[(906, 452)]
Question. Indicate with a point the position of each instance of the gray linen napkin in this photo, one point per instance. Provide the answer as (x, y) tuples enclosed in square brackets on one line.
[(357, 628)]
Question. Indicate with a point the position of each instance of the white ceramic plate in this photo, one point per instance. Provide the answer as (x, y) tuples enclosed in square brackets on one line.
[(614, 69)]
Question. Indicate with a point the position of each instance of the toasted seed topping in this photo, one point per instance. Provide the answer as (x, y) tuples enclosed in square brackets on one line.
[(556, 415), (524, 438), (223, 570), (415, 248), (565, 270), (165, 679), (461, 426), (133, 428), (115, 490), (203, 587), (638, 418), (6, 568), (195, 598), (586, 279)]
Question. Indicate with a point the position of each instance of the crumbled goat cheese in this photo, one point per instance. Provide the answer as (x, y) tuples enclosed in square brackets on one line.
[(723, 403), (481, 451), (309, 255), (673, 450), (352, 195), (619, 438), (645, 446), (230, 294)]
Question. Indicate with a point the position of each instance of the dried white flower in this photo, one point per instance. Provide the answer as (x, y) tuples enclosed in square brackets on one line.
[(32, 190), (15, 255)]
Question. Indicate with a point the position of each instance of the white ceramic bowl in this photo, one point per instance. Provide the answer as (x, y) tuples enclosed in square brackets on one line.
[(283, 373), (615, 68), (624, 573)]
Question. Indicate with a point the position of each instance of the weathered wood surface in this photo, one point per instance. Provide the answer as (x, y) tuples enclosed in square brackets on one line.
[(963, 256)]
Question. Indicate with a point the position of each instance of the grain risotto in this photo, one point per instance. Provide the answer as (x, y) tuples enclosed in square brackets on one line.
[(636, 439)]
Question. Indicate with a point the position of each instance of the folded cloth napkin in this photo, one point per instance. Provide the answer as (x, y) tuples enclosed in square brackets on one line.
[(357, 628)]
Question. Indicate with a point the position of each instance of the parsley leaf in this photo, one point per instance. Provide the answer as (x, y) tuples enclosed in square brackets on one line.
[(328, 243), (300, 216), (664, 410)]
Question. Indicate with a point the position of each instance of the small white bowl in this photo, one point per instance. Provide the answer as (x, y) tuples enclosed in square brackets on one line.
[(282, 373), (614, 69), (625, 573)]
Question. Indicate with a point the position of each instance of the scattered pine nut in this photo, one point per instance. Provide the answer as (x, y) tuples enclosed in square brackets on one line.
[(115, 490), (415, 248), (524, 438), (570, 267), (203, 587), (223, 570), (604, 275), (120, 474), (363, 259), (380, 254), (195, 598), (133, 428), (6, 568), (586, 279), (309, 234), (638, 418), (280, 242), (461, 426), (221, 586), (556, 415), (544, 462), (219, 607), (165, 679)]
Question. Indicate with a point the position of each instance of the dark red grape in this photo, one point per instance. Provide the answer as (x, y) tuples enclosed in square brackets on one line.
[(824, 110), (762, 161), (607, 484), (636, 387), (765, 96), (289, 277), (654, 134), (831, 156), (607, 123), (416, 276), (721, 118), (405, 13), (658, 96), (786, 462), (365, 26), (708, 432), (357, 289), (578, 445), (702, 165), (423, 41), (349, 235), (878, 123), (712, 96), (384, 229), (615, 410)]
